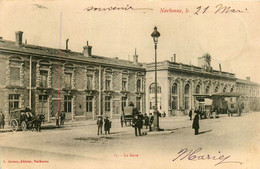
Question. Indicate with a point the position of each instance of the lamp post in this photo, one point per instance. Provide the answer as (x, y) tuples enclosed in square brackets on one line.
[(155, 35)]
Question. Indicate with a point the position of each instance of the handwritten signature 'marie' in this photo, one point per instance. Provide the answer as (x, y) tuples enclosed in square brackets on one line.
[(114, 8), (192, 155)]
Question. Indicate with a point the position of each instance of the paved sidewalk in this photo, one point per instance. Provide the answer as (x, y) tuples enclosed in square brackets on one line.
[(167, 123)]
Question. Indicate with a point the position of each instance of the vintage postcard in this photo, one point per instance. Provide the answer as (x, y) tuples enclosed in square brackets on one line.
[(123, 84)]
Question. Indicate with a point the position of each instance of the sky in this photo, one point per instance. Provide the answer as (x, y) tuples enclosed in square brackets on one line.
[(232, 39)]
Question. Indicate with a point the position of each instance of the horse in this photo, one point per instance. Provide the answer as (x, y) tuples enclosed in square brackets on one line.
[(39, 120), (35, 123)]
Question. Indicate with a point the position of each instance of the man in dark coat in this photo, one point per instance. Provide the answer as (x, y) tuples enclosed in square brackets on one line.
[(100, 125), (151, 118), (137, 124), (107, 126), (122, 121), (190, 114), (146, 120), (2, 120), (57, 120), (195, 124), (62, 118)]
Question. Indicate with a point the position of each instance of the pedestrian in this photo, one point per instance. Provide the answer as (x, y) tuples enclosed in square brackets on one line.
[(164, 114), (190, 114), (140, 124), (151, 118), (107, 126), (195, 124), (146, 120), (136, 125), (2, 120), (57, 119), (99, 124), (62, 118), (122, 121)]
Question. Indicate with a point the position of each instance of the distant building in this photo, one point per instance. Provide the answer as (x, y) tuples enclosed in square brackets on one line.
[(89, 85), (178, 83)]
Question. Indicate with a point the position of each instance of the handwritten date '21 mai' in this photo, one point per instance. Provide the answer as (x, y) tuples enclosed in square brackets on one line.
[(219, 9)]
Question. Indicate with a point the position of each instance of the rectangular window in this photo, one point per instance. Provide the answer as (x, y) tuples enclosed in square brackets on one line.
[(43, 104), (43, 98), (68, 80), (14, 100), (67, 104), (108, 81), (151, 105), (89, 103), (138, 85), (123, 103), (138, 103), (89, 82), (174, 102), (107, 103), (15, 76), (186, 102), (44, 78), (124, 84)]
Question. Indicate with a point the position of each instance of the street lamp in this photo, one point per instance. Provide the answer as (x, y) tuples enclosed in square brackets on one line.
[(155, 35)]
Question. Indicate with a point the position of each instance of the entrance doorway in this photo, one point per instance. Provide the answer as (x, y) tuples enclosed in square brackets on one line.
[(43, 106), (56, 106)]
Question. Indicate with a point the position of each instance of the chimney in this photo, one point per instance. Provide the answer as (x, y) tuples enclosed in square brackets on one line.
[(174, 57), (18, 38), (67, 44), (135, 58), (87, 50), (248, 78)]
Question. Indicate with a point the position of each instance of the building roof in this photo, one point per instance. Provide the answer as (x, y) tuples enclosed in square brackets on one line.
[(246, 82), (9, 46), (167, 65)]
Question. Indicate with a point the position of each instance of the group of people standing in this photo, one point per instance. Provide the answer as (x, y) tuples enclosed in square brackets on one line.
[(107, 125), (60, 118), (139, 121)]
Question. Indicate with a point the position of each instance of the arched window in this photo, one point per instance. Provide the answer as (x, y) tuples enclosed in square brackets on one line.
[(187, 89), (152, 98), (152, 88), (232, 89), (216, 89), (224, 89), (207, 89), (186, 97), (174, 88), (197, 89)]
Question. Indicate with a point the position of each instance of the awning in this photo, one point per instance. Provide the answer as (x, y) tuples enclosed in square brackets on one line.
[(227, 94), (208, 101)]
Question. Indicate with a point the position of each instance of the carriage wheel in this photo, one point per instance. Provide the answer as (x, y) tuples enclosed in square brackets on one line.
[(24, 126), (14, 125)]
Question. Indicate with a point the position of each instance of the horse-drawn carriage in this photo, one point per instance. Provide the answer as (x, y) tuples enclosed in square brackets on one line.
[(22, 119), (128, 114)]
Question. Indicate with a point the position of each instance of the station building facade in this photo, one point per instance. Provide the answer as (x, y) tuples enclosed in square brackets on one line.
[(85, 86), (178, 83), (82, 85)]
